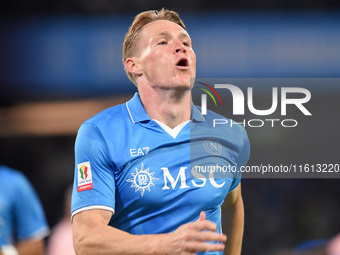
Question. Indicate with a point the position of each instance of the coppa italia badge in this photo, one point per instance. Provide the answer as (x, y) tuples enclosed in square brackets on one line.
[(84, 176)]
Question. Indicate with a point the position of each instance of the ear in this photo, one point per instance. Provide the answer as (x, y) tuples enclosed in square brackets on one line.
[(132, 65)]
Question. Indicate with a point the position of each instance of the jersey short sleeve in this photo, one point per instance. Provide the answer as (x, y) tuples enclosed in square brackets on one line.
[(242, 157), (94, 184), (20, 209), (29, 212)]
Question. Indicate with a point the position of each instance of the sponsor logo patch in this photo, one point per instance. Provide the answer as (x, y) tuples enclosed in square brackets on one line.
[(84, 176), (142, 180)]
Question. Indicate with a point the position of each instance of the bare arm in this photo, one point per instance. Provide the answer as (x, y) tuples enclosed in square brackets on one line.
[(234, 225), (31, 247), (27, 247), (92, 235)]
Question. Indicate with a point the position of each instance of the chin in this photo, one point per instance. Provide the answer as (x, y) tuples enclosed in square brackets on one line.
[(184, 85), (185, 82)]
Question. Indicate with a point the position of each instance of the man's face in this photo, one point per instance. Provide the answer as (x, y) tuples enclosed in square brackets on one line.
[(167, 59)]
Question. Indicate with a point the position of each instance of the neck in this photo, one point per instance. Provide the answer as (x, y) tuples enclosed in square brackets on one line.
[(169, 106)]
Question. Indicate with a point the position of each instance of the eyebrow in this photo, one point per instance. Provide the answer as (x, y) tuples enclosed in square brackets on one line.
[(167, 33)]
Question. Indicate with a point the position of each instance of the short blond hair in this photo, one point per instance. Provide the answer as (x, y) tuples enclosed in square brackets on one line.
[(129, 48)]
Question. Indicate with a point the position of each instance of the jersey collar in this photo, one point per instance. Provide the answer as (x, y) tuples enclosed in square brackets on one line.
[(196, 115), (138, 114), (136, 109)]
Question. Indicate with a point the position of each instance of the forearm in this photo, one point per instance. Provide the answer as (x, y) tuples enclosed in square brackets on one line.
[(93, 235), (235, 229), (28, 247), (233, 211), (32, 247), (108, 240)]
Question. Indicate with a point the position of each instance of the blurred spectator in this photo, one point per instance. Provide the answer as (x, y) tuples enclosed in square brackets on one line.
[(61, 242), (23, 225)]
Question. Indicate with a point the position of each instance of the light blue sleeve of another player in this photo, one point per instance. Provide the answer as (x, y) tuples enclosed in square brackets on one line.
[(29, 214), (91, 151), (242, 158)]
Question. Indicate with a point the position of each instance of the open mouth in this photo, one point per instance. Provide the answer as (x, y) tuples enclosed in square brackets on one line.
[(183, 62)]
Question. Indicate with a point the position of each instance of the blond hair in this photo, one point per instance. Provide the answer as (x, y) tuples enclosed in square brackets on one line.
[(129, 48)]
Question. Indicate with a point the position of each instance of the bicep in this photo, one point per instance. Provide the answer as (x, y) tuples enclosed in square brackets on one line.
[(234, 197), (86, 220), (92, 233)]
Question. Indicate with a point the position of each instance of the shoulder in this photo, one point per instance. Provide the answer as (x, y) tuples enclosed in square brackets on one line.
[(12, 176), (6, 171), (17, 185), (223, 124), (110, 115), (103, 130), (111, 119)]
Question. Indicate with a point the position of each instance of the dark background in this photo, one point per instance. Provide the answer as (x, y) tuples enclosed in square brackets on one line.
[(60, 63)]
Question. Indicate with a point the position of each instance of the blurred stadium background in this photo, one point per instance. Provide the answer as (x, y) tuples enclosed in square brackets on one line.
[(60, 63)]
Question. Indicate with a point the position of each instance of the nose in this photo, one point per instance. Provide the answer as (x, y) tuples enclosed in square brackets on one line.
[(179, 47)]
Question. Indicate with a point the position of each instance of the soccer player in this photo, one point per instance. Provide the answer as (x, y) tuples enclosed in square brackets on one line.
[(23, 225), (138, 188)]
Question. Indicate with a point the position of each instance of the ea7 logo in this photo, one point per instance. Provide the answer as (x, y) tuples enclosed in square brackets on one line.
[(239, 101), (135, 152)]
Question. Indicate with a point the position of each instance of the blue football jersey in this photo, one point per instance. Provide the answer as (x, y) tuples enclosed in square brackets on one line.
[(21, 214), (152, 181)]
